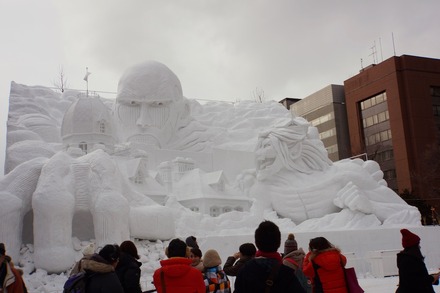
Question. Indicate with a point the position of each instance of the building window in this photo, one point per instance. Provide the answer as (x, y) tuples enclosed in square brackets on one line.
[(376, 119), (322, 119), (332, 149), (102, 126), (214, 211), (436, 110), (327, 133), (384, 156), (368, 103), (83, 146), (194, 209), (238, 209), (379, 137), (435, 91), (227, 209), (389, 174)]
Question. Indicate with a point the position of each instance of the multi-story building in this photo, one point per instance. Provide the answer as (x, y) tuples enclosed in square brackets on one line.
[(393, 111), (325, 110)]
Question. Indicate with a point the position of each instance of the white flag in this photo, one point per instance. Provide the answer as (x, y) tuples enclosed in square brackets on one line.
[(86, 77)]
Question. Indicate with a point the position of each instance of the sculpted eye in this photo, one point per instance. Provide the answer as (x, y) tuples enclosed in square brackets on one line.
[(133, 103)]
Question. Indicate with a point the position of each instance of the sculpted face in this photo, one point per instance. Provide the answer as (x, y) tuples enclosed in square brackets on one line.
[(266, 158), (265, 154), (149, 105)]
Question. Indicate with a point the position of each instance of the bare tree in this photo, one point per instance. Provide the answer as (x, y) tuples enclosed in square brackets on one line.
[(258, 95), (60, 82)]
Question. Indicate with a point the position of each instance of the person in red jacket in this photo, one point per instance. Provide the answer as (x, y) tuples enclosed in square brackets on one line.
[(324, 265), (11, 280), (176, 274)]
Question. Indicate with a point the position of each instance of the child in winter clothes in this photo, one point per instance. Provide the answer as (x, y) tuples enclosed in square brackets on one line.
[(214, 277), (293, 257)]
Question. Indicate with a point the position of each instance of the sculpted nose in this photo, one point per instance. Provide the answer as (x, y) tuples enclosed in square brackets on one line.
[(143, 119)]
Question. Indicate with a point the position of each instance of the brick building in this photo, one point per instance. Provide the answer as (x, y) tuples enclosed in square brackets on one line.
[(393, 112)]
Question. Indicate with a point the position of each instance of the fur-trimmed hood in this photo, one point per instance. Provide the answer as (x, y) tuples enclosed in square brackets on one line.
[(97, 264)]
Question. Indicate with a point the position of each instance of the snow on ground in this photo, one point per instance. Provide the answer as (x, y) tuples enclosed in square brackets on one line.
[(151, 253)]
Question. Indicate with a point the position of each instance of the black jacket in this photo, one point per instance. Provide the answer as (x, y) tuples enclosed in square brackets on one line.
[(413, 275), (232, 266), (253, 275), (102, 277), (129, 273)]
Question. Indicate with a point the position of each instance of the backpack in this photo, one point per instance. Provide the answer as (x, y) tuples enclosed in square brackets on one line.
[(304, 281), (76, 283)]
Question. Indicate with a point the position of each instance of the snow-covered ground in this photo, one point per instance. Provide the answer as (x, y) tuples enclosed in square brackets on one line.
[(151, 252)]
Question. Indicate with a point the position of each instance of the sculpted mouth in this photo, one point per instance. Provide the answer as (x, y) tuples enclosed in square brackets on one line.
[(147, 139), (265, 163)]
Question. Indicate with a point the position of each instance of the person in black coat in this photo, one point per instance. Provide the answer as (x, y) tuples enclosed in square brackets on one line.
[(128, 268), (100, 269), (413, 275), (267, 265), (235, 262)]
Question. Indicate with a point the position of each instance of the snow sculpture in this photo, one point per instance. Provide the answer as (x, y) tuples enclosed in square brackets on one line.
[(52, 193), (87, 123), (150, 106), (298, 181)]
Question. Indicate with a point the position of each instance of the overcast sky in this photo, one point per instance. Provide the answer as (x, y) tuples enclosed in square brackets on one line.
[(219, 49)]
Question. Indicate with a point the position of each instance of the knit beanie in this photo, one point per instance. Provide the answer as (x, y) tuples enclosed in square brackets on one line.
[(409, 239), (2, 249), (211, 259), (290, 244)]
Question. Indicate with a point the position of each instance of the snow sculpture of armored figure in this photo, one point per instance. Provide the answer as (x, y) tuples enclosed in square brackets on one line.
[(297, 180)]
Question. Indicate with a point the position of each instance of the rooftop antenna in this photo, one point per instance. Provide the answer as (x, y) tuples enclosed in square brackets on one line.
[(86, 78), (373, 52), (362, 65), (394, 47), (380, 45)]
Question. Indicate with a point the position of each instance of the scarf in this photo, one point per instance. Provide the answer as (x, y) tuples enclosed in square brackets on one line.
[(274, 255)]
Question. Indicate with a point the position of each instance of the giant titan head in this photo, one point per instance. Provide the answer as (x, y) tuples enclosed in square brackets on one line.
[(149, 105)]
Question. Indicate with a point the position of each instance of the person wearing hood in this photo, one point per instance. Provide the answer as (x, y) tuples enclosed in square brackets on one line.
[(100, 269), (128, 268), (214, 277), (87, 252), (324, 266), (413, 275), (266, 271), (176, 275)]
